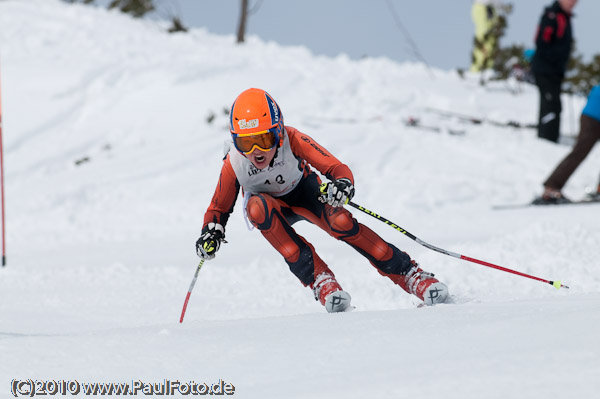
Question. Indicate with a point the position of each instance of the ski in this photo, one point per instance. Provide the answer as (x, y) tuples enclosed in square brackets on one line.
[(416, 123), (478, 121), (450, 300), (547, 205)]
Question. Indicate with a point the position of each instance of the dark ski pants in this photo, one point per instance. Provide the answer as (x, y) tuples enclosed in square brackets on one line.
[(274, 217), (550, 106), (589, 134)]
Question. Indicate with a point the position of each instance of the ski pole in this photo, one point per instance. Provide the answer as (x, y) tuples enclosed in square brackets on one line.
[(2, 187), (557, 284), (187, 297)]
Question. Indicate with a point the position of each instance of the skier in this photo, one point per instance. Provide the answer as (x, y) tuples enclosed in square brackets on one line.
[(589, 134), (488, 23), (271, 163)]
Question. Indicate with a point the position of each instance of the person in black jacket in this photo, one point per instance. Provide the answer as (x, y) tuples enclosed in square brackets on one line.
[(553, 48)]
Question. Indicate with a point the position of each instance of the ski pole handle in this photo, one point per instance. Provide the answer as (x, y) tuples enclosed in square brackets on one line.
[(322, 194), (187, 297)]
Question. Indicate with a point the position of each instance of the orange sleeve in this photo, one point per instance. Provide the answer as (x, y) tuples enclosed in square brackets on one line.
[(224, 197), (315, 154)]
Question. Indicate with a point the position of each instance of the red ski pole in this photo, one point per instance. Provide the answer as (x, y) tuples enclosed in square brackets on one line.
[(556, 284), (187, 297), (2, 184)]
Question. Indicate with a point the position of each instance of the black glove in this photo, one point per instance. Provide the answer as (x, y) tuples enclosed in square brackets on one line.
[(337, 193), (210, 240)]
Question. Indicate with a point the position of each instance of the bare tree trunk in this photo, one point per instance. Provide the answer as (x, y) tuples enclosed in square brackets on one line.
[(177, 26), (242, 26)]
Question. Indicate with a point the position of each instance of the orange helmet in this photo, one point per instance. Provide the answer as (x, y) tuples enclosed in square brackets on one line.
[(255, 120)]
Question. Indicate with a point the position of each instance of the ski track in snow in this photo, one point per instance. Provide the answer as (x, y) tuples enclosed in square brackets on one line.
[(101, 254)]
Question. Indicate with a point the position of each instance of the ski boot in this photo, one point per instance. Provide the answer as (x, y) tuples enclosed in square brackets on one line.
[(329, 292), (594, 196), (424, 286), (551, 196)]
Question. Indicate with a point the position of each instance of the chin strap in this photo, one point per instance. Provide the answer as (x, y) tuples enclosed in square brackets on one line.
[(274, 156)]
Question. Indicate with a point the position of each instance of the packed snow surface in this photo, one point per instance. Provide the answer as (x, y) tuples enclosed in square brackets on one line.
[(113, 134)]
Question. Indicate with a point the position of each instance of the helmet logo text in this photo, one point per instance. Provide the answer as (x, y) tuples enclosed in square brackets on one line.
[(248, 125), (275, 111)]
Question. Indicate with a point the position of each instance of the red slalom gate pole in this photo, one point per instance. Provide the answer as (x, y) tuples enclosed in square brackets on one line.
[(557, 284), (2, 181)]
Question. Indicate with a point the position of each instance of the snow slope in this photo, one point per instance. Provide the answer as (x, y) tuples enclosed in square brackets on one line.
[(110, 163)]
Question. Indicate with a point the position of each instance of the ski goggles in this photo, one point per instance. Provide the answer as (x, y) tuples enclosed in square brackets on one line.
[(264, 140)]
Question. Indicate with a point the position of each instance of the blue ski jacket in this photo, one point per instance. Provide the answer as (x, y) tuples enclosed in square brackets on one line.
[(592, 108)]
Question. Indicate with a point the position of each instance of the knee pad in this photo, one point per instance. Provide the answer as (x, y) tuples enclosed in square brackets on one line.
[(257, 210), (342, 221)]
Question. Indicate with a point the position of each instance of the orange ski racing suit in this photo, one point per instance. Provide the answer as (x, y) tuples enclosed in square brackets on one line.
[(286, 192)]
